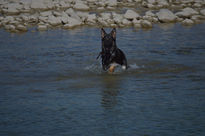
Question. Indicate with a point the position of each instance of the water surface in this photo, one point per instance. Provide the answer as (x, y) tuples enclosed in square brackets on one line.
[(52, 84)]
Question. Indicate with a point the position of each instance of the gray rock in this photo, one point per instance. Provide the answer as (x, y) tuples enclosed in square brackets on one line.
[(126, 22), (202, 12), (151, 1), (137, 25), (91, 19), (163, 3), (21, 28), (130, 14), (42, 27), (187, 12), (81, 6), (45, 13), (187, 22), (11, 28), (7, 19), (13, 8), (117, 18), (111, 3), (38, 4), (72, 13), (72, 22), (54, 21), (146, 24), (149, 13), (166, 16)]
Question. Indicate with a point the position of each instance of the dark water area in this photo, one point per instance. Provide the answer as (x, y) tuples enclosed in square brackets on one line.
[(51, 83)]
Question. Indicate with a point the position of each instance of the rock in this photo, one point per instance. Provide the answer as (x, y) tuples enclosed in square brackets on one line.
[(43, 19), (91, 19), (187, 22), (24, 18), (54, 21), (64, 4), (111, 3), (42, 27), (197, 5), (149, 18), (7, 19), (146, 24), (21, 28), (187, 12), (149, 13), (57, 14), (105, 16), (126, 22), (137, 25), (83, 15), (117, 18), (45, 13), (38, 5), (81, 6), (33, 19), (11, 28), (163, 3), (72, 14), (166, 16), (72, 22), (151, 1), (102, 21), (202, 12), (130, 14), (13, 8)]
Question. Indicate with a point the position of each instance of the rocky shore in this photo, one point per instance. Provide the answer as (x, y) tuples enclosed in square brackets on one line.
[(19, 15)]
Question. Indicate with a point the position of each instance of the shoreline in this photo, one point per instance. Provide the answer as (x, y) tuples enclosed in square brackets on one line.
[(20, 15)]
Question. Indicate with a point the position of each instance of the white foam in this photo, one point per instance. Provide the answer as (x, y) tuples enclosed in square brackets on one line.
[(134, 66)]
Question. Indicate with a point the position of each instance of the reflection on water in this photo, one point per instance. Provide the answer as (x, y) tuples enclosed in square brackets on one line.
[(111, 87), (52, 84)]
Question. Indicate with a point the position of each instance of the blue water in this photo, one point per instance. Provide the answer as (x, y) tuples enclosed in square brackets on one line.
[(51, 83)]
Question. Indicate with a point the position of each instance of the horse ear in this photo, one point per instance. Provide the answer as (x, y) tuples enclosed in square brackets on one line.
[(103, 33), (113, 33)]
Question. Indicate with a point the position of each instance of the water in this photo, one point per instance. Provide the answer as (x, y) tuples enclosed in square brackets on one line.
[(52, 84)]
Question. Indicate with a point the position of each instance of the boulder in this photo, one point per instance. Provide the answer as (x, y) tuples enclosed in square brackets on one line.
[(166, 16), (45, 13), (126, 22), (38, 5), (149, 13), (72, 22), (111, 3), (7, 19), (21, 28), (11, 28), (54, 21), (130, 14), (117, 18), (146, 24), (163, 3), (91, 19), (13, 8), (105, 16), (151, 1), (72, 13), (42, 27), (186, 13), (81, 6), (187, 22), (64, 4), (202, 12)]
